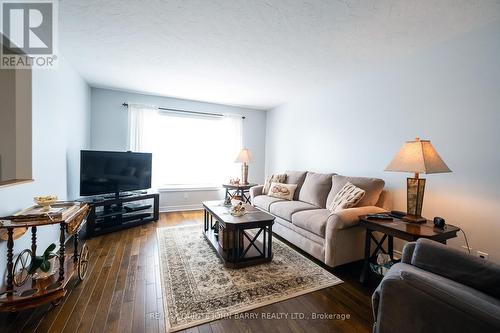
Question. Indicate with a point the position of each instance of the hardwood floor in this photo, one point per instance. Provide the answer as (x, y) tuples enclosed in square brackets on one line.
[(122, 293)]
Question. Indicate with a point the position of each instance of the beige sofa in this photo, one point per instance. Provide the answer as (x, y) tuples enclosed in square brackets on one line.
[(333, 238)]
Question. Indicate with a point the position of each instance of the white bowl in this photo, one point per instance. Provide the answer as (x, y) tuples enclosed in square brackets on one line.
[(45, 201)]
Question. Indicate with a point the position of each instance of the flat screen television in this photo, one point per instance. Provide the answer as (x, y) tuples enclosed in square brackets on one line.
[(111, 172)]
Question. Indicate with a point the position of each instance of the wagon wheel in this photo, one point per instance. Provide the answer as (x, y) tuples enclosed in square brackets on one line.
[(83, 262), (22, 266)]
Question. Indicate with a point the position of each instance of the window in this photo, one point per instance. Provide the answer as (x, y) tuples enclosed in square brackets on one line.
[(187, 150)]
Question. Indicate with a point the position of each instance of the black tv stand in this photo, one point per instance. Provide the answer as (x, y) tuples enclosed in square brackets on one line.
[(111, 213), (118, 195)]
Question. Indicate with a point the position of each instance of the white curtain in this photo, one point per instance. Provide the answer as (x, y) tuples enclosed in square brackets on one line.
[(187, 149), (137, 114)]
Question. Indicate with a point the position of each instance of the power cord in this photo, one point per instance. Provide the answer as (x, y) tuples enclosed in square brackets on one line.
[(466, 242)]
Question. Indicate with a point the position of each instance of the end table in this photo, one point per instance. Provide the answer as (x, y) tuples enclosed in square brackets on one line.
[(400, 229), (238, 191)]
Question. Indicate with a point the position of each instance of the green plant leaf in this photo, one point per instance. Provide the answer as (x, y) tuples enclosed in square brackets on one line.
[(45, 266), (35, 264), (49, 249)]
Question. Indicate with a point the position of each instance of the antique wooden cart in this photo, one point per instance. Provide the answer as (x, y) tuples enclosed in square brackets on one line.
[(24, 291)]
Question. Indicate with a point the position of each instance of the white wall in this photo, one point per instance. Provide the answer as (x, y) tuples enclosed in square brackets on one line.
[(449, 94), (61, 127), (109, 132), (7, 125)]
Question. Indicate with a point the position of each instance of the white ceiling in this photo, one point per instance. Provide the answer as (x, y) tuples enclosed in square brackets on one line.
[(248, 52)]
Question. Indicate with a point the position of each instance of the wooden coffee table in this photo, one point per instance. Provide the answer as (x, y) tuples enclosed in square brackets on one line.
[(238, 241)]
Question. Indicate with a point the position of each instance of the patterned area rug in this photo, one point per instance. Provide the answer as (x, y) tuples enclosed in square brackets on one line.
[(197, 288)]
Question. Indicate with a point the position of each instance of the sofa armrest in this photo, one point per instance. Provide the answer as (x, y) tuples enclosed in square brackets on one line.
[(349, 217), (431, 303), (457, 266), (255, 191)]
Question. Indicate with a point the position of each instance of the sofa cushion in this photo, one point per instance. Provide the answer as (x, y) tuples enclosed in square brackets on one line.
[(315, 188), (281, 224), (285, 209), (278, 178), (349, 196), (372, 186), (264, 201), (282, 191), (296, 177), (312, 220)]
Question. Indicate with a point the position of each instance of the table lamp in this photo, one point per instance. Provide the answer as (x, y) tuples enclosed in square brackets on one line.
[(418, 156), (244, 157)]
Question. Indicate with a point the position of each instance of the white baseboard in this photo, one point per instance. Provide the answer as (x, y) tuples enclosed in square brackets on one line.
[(166, 209)]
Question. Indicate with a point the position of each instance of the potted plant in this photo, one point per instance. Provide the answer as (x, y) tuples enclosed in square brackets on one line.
[(43, 266)]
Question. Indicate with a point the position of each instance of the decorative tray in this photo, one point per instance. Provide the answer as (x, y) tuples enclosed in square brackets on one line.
[(37, 212)]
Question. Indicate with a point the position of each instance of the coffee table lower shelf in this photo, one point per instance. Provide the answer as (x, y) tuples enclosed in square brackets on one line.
[(229, 257)]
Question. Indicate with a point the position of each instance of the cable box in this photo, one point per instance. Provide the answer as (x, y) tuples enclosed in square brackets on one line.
[(136, 207)]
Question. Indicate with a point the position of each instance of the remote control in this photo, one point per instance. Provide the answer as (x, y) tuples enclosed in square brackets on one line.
[(378, 217), (397, 214)]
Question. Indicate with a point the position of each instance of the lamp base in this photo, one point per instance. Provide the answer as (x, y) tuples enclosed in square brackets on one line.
[(244, 174), (414, 219), (414, 199)]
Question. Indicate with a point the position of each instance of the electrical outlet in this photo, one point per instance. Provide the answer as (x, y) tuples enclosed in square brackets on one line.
[(482, 255), (186, 195)]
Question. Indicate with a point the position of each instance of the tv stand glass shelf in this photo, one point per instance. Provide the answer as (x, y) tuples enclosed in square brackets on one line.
[(22, 290)]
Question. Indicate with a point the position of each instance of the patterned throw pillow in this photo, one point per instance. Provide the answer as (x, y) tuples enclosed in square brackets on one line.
[(282, 191), (278, 178), (349, 196)]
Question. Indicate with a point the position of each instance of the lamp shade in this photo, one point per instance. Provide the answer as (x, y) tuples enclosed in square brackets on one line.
[(245, 156), (418, 156)]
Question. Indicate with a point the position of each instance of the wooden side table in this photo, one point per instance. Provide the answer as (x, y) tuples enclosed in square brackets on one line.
[(238, 191), (400, 229)]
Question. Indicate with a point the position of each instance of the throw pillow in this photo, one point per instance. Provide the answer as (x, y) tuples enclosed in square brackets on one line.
[(349, 196), (278, 178), (282, 191)]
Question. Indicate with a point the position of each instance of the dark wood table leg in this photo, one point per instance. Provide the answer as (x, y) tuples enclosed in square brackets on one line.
[(366, 265), (245, 197), (205, 224), (75, 247), (61, 252), (264, 240), (33, 240), (390, 247), (270, 241), (10, 257)]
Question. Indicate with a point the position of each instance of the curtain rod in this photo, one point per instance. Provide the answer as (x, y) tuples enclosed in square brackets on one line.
[(191, 112)]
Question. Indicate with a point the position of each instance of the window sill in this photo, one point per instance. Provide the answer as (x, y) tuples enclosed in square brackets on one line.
[(188, 188)]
